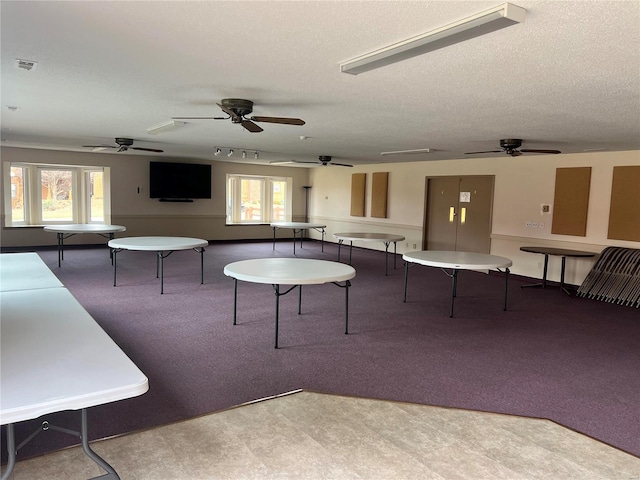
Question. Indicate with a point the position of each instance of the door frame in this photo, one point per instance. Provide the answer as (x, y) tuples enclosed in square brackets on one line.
[(426, 219)]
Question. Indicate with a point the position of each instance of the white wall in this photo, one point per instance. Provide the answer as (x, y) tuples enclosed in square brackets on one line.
[(142, 215), (521, 185)]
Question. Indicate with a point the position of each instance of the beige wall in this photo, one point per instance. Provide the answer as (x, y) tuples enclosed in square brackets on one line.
[(521, 185), (145, 216)]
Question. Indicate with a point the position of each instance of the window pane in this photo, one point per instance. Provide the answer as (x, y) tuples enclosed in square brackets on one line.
[(17, 194), (96, 197), (57, 195), (251, 195), (279, 196)]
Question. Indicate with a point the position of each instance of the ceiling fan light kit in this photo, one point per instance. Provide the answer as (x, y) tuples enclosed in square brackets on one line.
[(480, 24)]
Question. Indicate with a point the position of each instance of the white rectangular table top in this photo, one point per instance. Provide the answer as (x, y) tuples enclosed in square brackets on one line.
[(54, 357), (25, 271)]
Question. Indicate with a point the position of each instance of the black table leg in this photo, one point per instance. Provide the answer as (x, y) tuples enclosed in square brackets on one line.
[(406, 275), (506, 284), (235, 300), (454, 289)]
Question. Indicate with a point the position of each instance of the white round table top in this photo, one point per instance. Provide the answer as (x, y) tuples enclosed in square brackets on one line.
[(84, 228), (457, 260), (157, 244), (381, 237), (297, 225), (289, 271)]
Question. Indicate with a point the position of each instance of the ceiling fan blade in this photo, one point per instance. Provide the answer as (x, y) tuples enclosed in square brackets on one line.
[(284, 120), (122, 149), (252, 127), (488, 151), (98, 146), (147, 149), (199, 118), (529, 150), (340, 164)]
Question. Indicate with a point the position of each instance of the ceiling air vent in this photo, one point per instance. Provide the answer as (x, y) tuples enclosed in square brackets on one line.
[(26, 64)]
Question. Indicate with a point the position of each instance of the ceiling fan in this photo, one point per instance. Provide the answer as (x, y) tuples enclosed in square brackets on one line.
[(324, 160), (123, 144), (510, 146), (237, 109)]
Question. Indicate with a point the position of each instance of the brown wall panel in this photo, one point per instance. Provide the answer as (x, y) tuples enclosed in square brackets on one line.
[(358, 184), (624, 213), (379, 194), (571, 201)]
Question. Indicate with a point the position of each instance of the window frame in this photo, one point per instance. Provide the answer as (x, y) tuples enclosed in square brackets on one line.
[(32, 194), (234, 198)]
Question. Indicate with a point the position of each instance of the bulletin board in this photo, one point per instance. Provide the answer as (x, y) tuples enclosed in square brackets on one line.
[(571, 201), (624, 213), (358, 185), (379, 194)]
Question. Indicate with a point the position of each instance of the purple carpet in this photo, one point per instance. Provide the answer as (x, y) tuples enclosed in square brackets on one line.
[(574, 361)]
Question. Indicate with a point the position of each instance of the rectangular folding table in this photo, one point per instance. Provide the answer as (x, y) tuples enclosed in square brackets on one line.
[(54, 356)]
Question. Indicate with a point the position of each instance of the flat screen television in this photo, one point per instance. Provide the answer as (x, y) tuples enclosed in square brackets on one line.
[(179, 181)]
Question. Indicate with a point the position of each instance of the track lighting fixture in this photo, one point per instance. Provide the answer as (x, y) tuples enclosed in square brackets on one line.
[(230, 151)]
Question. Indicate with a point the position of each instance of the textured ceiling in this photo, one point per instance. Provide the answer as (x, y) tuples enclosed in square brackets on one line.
[(568, 78)]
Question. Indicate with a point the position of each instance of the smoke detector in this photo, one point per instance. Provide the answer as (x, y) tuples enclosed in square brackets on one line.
[(27, 65)]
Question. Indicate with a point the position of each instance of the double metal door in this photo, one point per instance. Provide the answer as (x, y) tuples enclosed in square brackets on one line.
[(458, 213)]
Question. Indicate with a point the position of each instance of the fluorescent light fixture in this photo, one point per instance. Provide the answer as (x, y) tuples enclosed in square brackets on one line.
[(165, 127), (402, 152), (485, 22)]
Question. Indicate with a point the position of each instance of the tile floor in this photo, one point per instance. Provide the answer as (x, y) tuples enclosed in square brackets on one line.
[(306, 435)]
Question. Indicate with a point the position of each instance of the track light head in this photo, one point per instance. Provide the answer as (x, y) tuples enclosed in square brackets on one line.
[(230, 152), (217, 152)]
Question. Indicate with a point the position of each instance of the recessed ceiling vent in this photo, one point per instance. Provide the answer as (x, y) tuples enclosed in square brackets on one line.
[(28, 65)]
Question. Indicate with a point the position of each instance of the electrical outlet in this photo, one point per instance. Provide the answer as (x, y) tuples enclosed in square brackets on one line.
[(534, 225), (541, 225), (414, 246), (529, 224)]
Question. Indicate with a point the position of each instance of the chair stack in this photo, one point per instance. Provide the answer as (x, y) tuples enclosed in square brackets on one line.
[(615, 277)]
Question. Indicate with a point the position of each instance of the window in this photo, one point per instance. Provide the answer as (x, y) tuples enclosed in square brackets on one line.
[(255, 199), (48, 194)]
